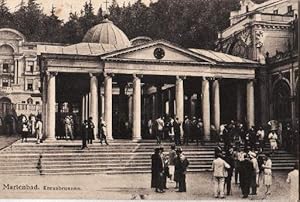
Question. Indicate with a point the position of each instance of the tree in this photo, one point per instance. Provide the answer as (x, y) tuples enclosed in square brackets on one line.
[(88, 19), (71, 31), (53, 27), (28, 20), (5, 15)]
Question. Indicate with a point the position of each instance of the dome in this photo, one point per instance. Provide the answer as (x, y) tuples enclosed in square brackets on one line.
[(107, 33)]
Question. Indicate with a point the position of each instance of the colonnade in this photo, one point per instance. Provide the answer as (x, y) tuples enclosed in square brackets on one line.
[(90, 104)]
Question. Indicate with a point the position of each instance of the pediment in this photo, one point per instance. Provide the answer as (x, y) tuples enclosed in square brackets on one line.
[(157, 51)]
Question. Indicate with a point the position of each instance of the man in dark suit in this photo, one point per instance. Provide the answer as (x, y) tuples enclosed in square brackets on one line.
[(181, 164), (84, 134), (186, 130), (157, 171), (246, 169), (177, 131)]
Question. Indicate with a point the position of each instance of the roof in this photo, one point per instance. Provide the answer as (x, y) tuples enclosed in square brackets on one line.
[(89, 49), (108, 51), (221, 57), (107, 33)]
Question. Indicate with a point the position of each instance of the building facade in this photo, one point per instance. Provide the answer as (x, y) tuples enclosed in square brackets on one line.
[(268, 33), (19, 79), (128, 84)]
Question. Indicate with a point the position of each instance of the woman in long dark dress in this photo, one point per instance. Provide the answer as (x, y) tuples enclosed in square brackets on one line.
[(157, 171), (91, 127)]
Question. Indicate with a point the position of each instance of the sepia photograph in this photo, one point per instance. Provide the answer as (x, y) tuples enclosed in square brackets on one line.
[(149, 100)]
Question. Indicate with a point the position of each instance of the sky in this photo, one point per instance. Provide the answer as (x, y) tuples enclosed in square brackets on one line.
[(63, 7)]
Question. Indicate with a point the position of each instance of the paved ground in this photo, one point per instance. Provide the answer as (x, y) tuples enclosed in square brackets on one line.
[(6, 140), (129, 187)]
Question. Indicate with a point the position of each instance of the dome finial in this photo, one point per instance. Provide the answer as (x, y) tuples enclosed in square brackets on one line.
[(105, 14)]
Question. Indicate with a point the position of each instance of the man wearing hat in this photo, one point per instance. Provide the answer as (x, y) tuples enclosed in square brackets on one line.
[(246, 168), (102, 131), (181, 164), (219, 167), (186, 130), (165, 173)]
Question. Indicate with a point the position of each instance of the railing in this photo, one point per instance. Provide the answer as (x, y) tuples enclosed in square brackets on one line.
[(20, 108)]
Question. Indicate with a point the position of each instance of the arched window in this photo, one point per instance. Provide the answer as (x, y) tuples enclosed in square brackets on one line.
[(281, 101), (30, 101), (5, 100)]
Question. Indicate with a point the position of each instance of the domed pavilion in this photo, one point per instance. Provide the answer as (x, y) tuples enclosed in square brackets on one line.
[(107, 33), (105, 77)]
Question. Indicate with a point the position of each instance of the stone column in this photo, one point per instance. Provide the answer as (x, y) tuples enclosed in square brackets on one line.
[(102, 106), (83, 108), (153, 97), (179, 97), (94, 102), (51, 101), (216, 100), (159, 101), (136, 108), (15, 70), (171, 102), (206, 108), (250, 103), (130, 117), (108, 105), (122, 102), (86, 106), (44, 107), (239, 102)]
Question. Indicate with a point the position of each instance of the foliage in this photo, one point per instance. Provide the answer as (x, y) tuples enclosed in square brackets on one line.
[(5, 15), (189, 23)]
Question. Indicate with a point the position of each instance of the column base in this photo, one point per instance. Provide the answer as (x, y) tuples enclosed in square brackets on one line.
[(136, 140), (50, 140)]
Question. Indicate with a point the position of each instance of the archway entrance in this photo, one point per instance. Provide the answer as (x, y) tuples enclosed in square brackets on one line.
[(281, 101)]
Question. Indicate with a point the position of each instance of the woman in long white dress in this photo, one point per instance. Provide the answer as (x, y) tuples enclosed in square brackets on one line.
[(273, 140), (267, 173)]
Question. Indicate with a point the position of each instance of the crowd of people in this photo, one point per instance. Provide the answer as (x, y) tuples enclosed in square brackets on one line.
[(173, 166), (32, 126), (251, 168), (169, 128), (87, 135), (278, 136)]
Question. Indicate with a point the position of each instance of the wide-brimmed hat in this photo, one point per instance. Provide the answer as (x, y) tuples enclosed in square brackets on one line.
[(179, 150), (252, 155)]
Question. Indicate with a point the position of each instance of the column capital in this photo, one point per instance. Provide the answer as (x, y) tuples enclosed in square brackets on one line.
[(216, 78), (52, 74), (181, 77), (137, 76), (93, 74), (207, 78), (251, 80), (108, 74)]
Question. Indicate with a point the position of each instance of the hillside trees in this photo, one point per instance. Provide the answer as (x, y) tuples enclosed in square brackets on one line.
[(189, 23)]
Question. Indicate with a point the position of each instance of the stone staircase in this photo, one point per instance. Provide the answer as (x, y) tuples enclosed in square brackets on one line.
[(120, 157)]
